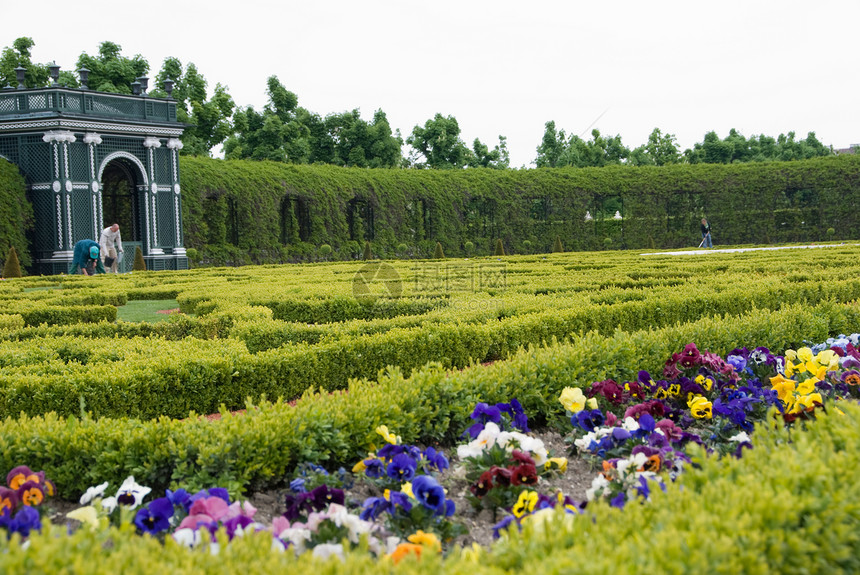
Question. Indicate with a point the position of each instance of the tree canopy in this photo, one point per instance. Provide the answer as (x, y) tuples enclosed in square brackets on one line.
[(283, 131)]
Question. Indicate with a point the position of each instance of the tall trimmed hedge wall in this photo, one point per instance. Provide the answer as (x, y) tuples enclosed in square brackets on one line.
[(243, 211), (264, 212), (16, 214)]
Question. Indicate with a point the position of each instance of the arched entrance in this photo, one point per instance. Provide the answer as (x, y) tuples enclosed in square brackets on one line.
[(121, 198)]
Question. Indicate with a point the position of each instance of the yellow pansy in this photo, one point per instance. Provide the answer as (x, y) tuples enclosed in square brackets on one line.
[(701, 408), (804, 354), (388, 436), (828, 358), (573, 399), (525, 504), (406, 489), (809, 401), (559, 463), (790, 355), (784, 387), (807, 386), (86, 515), (426, 539)]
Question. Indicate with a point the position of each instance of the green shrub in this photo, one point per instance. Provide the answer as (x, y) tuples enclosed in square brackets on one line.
[(556, 246), (500, 248), (12, 267), (438, 254), (139, 264)]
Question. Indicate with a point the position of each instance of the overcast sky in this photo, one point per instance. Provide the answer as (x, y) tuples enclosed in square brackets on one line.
[(686, 67)]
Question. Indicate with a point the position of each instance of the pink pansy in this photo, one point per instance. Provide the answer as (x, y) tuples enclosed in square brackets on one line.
[(214, 507), (279, 524), (236, 509), (194, 520)]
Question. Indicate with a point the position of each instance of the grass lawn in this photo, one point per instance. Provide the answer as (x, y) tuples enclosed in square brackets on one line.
[(146, 310)]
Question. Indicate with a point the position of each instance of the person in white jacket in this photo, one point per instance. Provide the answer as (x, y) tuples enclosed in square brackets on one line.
[(111, 246)]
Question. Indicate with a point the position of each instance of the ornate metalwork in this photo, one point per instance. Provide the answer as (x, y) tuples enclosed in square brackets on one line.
[(63, 140)]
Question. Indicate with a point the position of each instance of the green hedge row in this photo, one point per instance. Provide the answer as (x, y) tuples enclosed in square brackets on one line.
[(788, 506), (176, 377), (260, 448), (243, 211)]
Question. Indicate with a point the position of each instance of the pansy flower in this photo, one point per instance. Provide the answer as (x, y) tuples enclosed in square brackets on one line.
[(851, 377), (155, 517), (401, 468), (93, 492), (131, 494), (429, 493), (483, 485), (525, 503), (8, 499), (21, 474), (525, 474), (31, 494)]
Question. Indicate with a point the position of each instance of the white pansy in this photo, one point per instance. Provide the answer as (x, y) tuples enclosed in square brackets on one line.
[(740, 437), (297, 536), (326, 550), (187, 537), (597, 485), (93, 492), (130, 493), (630, 424), (485, 440), (109, 504)]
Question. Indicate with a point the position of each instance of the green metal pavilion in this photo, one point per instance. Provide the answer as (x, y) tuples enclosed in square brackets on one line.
[(91, 159)]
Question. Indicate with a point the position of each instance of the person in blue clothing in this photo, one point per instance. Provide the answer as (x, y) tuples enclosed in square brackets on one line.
[(86, 259)]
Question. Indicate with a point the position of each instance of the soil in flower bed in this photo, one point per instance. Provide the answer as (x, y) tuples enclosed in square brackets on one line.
[(479, 523)]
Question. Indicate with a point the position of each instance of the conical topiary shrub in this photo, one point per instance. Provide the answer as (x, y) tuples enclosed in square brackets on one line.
[(368, 252), (500, 248), (438, 254), (12, 267), (557, 247), (139, 264)]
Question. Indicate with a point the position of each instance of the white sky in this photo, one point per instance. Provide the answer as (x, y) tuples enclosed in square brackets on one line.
[(502, 67)]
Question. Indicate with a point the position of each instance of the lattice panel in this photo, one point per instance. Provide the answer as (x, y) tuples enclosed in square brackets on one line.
[(8, 105), (111, 144), (44, 211), (38, 101), (166, 220), (117, 107), (36, 159), (163, 166), (79, 162), (9, 149), (82, 215)]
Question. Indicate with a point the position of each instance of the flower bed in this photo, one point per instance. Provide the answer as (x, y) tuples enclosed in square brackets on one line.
[(641, 436)]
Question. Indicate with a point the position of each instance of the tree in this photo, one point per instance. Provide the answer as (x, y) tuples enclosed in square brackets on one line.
[(209, 120), (552, 148), (18, 55), (439, 254), (438, 141), (556, 150), (348, 140), (112, 72), (556, 246), (482, 157), (276, 134), (661, 150)]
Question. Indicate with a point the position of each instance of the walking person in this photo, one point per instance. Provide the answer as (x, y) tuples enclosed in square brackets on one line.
[(111, 246), (706, 234)]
